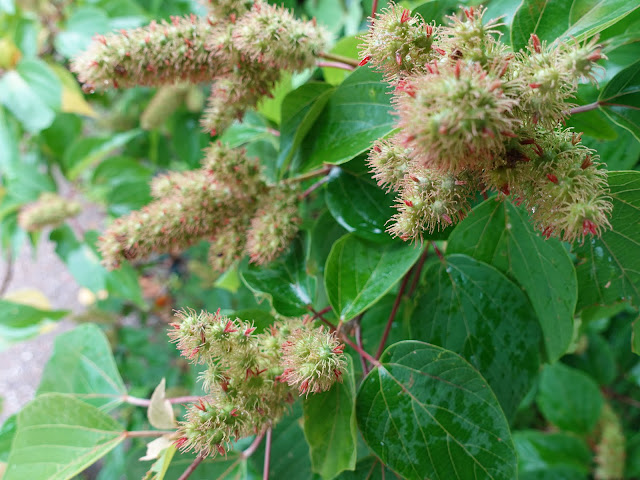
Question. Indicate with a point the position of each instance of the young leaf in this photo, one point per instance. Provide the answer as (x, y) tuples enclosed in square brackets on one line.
[(58, 437), (369, 468), (608, 267), (330, 427), (569, 399), (82, 365), (358, 112), (284, 281), (358, 273), (427, 413), (501, 234), (160, 412), (472, 309), (564, 19), (620, 99)]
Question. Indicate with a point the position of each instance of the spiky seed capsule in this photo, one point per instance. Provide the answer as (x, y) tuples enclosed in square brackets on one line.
[(157, 54), (455, 118), (313, 359), (50, 210), (389, 161), (399, 43), (271, 35), (274, 226)]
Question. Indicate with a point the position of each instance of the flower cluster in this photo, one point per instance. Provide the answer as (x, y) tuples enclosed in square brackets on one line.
[(475, 116), (611, 448), (242, 47), (217, 202), (249, 375), (50, 210)]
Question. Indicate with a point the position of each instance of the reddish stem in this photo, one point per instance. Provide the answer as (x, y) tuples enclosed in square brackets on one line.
[(438, 252), (267, 456), (191, 468), (416, 276), (374, 9), (254, 446), (584, 108), (313, 187), (394, 310), (340, 65), (147, 433), (145, 402), (363, 362), (362, 352)]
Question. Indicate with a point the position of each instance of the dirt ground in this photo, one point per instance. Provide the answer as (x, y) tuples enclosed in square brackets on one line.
[(22, 363)]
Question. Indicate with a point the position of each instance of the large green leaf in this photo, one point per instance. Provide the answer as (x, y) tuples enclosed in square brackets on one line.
[(569, 398), (358, 112), (551, 19), (427, 413), (82, 365), (19, 321), (560, 456), (369, 468), (608, 267), (32, 92), (285, 281), (620, 99), (359, 205), (358, 272), (80, 27), (472, 309), (59, 436), (330, 427), (300, 109), (500, 234)]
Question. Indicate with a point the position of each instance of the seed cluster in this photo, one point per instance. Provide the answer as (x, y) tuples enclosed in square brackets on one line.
[(250, 378), (243, 47), (475, 116), (50, 210), (218, 202)]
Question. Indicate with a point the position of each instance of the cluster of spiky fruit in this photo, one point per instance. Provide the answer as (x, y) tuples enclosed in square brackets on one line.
[(50, 210), (218, 202), (475, 116), (250, 377), (243, 47)]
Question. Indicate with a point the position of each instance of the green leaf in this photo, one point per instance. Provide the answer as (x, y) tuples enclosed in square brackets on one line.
[(285, 281), (81, 260), (19, 321), (559, 454), (359, 205), (620, 99), (290, 456), (472, 309), (117, 170), (58, 437), (32, 92), (608, 267), (86, 151), (7, 432), (330, 427), (369, 468), (300, 109), (125, 197), (569, 399), (82, 365), (635, 337), (598, 360), (500, 234), (324, 233), (358, 273), (427, 413), (358, 112), (79, 29), (551, 19)]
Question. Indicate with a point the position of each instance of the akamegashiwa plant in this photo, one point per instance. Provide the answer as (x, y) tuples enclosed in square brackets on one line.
[(402, 245)]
